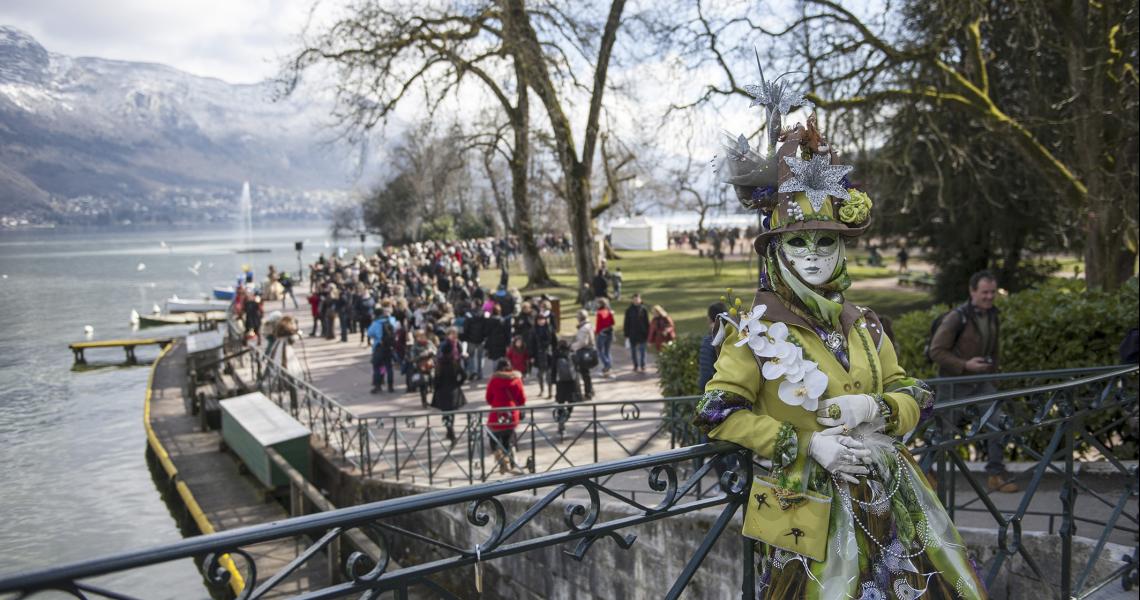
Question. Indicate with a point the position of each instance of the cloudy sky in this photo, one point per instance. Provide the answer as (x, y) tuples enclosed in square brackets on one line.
[(238, 41)]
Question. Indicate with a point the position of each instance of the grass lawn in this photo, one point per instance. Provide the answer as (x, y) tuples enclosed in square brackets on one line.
[(685, 285)]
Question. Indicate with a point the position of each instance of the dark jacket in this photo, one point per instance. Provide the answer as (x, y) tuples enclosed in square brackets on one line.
[(474, 328), (540, 345), (600, 284), (497, 338), (706, 362), (962, 323), (449, 377), (635, 328)]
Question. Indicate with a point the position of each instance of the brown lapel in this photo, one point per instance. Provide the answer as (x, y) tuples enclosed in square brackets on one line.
[(778, 311)]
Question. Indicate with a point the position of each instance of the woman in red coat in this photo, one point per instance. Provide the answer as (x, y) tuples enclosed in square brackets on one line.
[(505, 390)]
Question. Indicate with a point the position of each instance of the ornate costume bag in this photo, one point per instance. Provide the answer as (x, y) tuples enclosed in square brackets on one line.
[(796, 521)]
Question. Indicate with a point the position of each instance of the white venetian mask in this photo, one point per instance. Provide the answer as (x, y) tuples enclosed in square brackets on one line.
[(813, 255)]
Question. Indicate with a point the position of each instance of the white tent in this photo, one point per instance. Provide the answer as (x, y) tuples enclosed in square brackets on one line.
[(639, 234)]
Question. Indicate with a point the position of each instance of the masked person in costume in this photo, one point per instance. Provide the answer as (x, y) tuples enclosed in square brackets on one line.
[(810, 382)]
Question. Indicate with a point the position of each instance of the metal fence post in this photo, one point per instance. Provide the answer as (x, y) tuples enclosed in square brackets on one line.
[(362, 434), (1068, 498), (595, 427), (431, 475), (748, 554)]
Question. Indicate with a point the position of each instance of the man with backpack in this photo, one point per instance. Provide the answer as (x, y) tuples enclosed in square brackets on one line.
[(382, 334), (965, 341)]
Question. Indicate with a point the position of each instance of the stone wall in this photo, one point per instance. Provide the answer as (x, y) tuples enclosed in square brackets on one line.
[(649, 568)]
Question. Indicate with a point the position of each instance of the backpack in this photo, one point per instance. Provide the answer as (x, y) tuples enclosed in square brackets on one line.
[(937, 322), (564, 369), (587, 357)]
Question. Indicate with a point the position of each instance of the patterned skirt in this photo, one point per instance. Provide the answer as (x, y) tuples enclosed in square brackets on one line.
[(888, 537)]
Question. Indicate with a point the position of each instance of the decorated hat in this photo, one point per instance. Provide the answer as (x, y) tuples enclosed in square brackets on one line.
[(800, 186), (813, 192)]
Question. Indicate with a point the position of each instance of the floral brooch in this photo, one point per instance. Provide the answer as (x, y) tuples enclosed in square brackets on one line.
[(803, 382)]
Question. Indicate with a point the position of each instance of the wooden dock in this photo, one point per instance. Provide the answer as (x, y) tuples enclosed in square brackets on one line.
[(128, 345), (210, 484)]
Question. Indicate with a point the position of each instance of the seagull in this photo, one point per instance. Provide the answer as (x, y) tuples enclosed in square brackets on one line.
[(155, 309), (162, 244), (194, 269), (141, 267), (134, 317), (88, 331)]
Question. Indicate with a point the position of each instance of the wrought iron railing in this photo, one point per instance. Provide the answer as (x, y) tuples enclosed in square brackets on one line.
[(1057, 422), (500, 534), (1063, 413)]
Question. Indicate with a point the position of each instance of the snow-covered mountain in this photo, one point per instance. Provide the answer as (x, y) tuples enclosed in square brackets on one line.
[(109, 132)]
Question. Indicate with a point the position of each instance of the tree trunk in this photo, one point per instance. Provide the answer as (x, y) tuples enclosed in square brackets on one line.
[(576, 169), (1108, 264), (581, 227), (536, 273)]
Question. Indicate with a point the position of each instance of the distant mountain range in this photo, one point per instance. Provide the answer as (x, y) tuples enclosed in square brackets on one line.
[(94, 140)]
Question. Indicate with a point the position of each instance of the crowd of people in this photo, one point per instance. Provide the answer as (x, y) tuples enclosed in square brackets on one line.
[(433, 323)]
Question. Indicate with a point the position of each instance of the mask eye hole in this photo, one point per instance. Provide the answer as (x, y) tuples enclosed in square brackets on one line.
[(825, 242), (798, 242)]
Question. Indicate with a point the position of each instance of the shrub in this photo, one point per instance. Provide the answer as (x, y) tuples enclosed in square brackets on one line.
[(1056, 326), (677, 367), (911, 331)]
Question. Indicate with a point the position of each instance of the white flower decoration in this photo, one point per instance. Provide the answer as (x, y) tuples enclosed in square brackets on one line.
[(752, 331), (782, 357), (800, 367), (751, 321), (806, 392), (777, 332)]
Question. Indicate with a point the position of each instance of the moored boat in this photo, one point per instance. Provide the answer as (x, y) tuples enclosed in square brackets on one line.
[(183, 318), (180, 305)]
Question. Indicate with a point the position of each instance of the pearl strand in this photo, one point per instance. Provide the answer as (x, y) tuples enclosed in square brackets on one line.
[(846, 497), (898, 480)]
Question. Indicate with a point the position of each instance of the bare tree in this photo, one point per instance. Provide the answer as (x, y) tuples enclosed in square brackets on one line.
[(539, 73), (1084, 142), (383, 52)]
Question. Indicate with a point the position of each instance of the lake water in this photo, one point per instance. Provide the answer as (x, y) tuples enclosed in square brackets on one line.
[(74, 483)]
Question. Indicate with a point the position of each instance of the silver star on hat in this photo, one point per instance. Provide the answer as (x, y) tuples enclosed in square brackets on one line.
[(817, 178)]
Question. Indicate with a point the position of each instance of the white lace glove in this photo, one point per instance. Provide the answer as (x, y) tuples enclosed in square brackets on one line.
[(841, 455), (853, 410)]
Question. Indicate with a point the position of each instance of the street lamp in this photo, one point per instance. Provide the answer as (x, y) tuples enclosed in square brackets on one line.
[(299, 246)]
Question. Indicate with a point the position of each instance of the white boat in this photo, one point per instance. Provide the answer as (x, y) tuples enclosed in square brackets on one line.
[(181, 305)]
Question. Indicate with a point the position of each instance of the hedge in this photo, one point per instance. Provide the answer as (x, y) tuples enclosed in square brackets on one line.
[(1057, 326), (677, 367)]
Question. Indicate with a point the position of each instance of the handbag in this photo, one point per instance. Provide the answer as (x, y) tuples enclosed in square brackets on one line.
[(796, 521), (587, 357)]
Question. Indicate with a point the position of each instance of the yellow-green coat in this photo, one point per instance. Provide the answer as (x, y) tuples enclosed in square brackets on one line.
[(874, 370)]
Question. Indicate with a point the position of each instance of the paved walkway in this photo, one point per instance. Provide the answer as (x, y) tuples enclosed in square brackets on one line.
[(227, 498)]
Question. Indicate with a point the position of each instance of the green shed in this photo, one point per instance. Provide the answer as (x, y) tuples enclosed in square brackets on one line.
[(252, 423)]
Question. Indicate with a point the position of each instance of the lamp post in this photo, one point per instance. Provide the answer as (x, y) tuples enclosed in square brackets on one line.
[(362, 237), (299, 246)]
